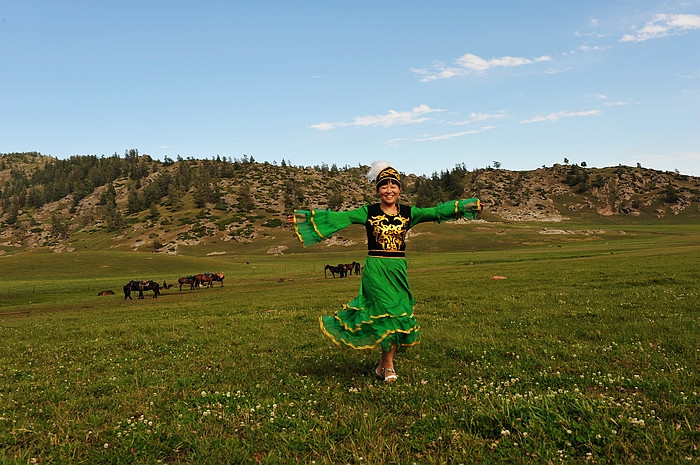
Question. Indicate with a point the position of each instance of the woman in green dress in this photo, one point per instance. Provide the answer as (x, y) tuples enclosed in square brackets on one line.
[(382, 314)]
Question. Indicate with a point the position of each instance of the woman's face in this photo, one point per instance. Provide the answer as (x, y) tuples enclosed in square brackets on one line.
[(389, 193)]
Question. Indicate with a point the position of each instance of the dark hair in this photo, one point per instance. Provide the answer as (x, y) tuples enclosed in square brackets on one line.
[(387, 181)]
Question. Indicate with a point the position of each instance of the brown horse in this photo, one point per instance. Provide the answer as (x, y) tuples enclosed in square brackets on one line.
[(186, 280), (203, 278), (219, 277), (351, 268), (105, 293), (141, 286)]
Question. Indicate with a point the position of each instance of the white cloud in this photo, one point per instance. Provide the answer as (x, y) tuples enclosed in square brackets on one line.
[(454, 134), (470, 63), (663, 25), (605, 101), (327, 126), (439, 137), (689, 75), (558, 70), (595, 35), (592, 48), (556, 116), (392, 118), (480, 117)]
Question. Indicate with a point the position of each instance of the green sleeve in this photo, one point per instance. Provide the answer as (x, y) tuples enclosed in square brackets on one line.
[(312, 226), (466, 208)]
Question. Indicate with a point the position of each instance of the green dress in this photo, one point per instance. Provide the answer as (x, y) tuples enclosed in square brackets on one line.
[(382, 313)]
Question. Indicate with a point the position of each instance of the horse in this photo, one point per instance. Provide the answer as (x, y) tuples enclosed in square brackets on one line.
[(205, 278), (352, 267), (219, 277), (166, 285), (105, 293), (141, 286), (340, 269), (186, 280)]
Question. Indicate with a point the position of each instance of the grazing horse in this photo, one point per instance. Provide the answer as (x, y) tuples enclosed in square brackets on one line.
[(205, 278), (186, 280), (340, 269), (219, 277), (357, 267), (105, 293), (166, 285), (141, 286)]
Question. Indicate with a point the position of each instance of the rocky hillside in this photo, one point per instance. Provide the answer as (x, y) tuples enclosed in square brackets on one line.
[(136, 203), (565, 192)]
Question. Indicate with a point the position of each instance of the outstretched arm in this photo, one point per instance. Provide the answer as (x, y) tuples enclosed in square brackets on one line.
[(466, 208), (312, 226)]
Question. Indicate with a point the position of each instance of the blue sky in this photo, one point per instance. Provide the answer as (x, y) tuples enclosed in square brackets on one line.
[(423, 85)]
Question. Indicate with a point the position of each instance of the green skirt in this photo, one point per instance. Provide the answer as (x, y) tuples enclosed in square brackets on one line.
[(383, 312)]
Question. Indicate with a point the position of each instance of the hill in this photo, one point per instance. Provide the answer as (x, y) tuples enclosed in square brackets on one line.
[(137, 203)]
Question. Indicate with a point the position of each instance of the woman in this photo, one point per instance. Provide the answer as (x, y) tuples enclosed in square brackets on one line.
[(382, 313)]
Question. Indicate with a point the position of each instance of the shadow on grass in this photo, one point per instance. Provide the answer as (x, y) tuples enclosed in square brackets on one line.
[(338, 366)]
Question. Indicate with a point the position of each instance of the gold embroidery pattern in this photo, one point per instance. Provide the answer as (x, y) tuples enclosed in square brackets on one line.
[(389, 173), (389, 231)]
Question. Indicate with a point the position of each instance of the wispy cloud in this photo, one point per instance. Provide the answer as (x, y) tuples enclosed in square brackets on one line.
[(556, 116), (689, 75), (594, 33), (663, 25), (439, 137), (591, 48), (618, 103), (481, 117), (392, 118), (470, 63), (558, 70)]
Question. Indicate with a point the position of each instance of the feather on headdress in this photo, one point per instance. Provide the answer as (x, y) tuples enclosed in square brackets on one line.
[(375, 169), (381, 172)]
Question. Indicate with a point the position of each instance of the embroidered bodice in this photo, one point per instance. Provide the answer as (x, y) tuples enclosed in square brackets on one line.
[(386, 234)]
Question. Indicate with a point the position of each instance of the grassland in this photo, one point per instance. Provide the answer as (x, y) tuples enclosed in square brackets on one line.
[(586, 353)]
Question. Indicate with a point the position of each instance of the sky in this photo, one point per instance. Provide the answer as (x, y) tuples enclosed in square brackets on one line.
[(424, 85)]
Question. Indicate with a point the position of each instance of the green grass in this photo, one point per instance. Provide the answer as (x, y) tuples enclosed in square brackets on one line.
[(587, 352)]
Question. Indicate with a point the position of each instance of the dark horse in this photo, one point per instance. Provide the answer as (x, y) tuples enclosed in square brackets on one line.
[(141, 286), (340, 269)]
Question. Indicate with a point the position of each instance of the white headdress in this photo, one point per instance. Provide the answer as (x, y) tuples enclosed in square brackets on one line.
[(375, 169)]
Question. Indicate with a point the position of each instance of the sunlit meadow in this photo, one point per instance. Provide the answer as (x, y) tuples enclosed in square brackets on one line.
[(587, 352)]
